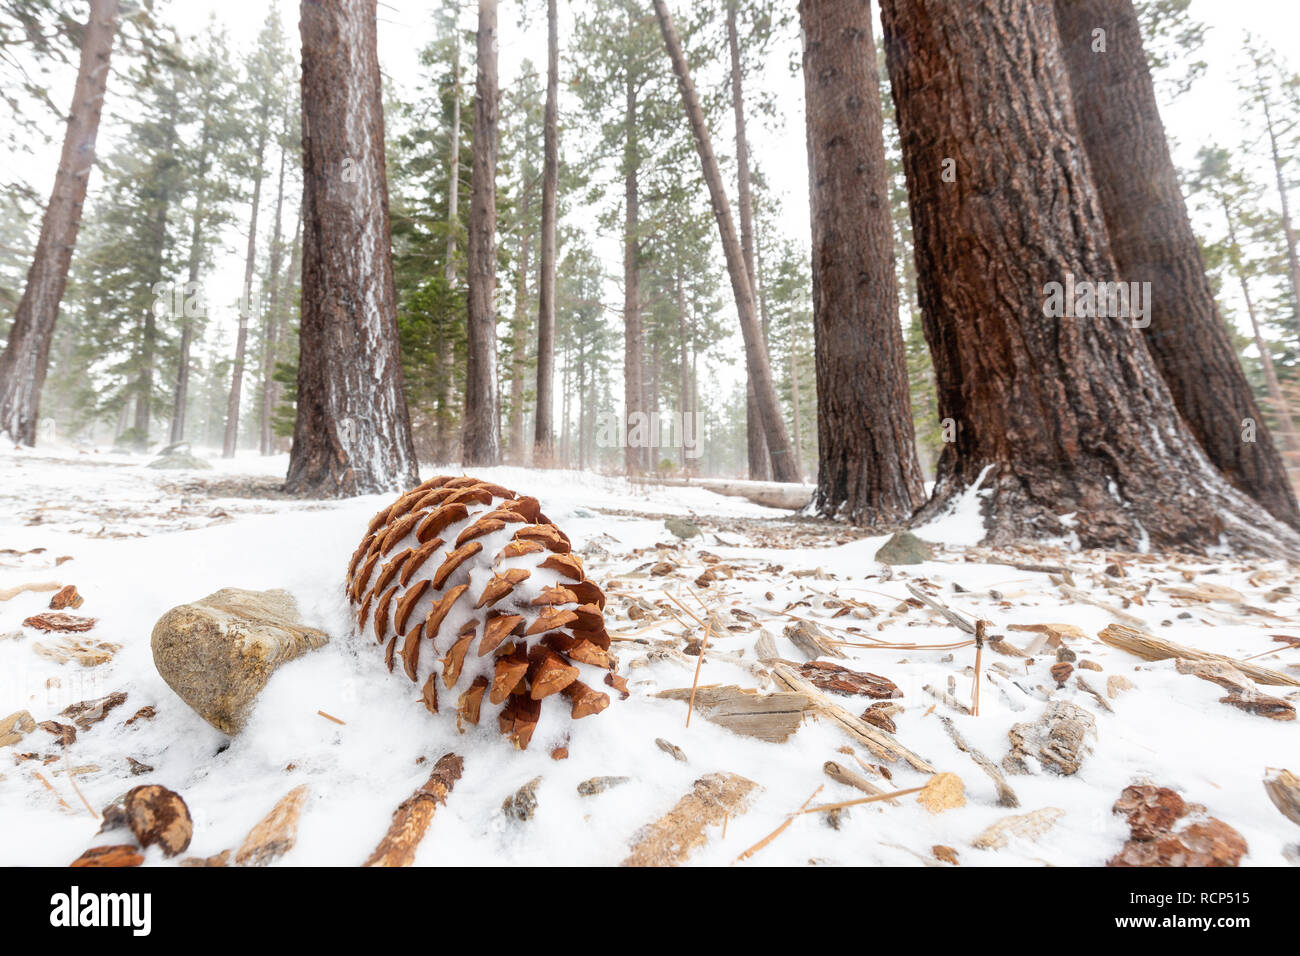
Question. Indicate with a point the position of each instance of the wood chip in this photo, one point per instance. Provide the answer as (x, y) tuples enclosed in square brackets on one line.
[(743, 710), (670, 840), (1152, 648), (276, 833)]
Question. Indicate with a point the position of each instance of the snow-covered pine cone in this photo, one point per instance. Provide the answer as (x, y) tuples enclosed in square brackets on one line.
[(467, 585)]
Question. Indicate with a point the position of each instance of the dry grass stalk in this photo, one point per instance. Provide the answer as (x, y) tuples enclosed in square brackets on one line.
[(332, 717), (779, 830)]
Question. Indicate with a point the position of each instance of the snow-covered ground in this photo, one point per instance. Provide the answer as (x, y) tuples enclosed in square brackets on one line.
[(142, 541)]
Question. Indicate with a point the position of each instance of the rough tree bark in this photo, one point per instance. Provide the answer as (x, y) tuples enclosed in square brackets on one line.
[(352, 434), (231, 440), (1065, 423), (1152, 241), (784, 466), (760, 466), (868, 472), (481, 439), (26, 357), (519, 339), (270, 321), (635, 459), (544, 420)]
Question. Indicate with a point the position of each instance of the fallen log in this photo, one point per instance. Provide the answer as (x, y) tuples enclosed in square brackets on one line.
[(770, 494)]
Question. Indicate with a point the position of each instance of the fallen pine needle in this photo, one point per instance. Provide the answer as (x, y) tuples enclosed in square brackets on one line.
[(332, 717), (778, 831), (67, 768), (699, 662), (853, 803), (41, 777)]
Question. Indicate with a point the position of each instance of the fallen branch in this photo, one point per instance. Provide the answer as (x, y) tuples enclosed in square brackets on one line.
[(879, 742), (1152, 648), (1006, 796), (414, 814)]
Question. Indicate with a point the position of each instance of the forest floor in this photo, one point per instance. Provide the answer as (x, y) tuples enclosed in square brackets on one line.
[(136, 542)]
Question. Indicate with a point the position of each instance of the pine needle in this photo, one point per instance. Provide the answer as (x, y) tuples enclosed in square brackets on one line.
[(875, 798), (41, 777), (332, 717), (779, 830)]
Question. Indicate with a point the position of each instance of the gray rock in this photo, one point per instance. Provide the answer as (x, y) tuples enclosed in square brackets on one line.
[(681, 527), (904, 548), (218, 652), (180, 460)]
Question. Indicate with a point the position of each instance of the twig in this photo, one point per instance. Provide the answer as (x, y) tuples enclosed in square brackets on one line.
[(332, 717), (691, 613), (779, 830), (699, 662), (853, 803), (1006, 796), (980, 628), (957, 620)]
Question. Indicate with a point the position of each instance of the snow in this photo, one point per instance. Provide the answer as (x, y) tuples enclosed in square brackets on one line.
[(143, 541)]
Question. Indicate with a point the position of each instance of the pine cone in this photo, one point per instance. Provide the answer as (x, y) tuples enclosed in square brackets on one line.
[(469, 586)]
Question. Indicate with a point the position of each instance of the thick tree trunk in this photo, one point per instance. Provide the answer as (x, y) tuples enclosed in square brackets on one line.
[(352, 434), (760, 466), (1152, 241), (544, 421), (1065, 423), (26, 357), (481, 439), (784, 466), (270, 321), (868, 472), (231, 441), (636, 459)]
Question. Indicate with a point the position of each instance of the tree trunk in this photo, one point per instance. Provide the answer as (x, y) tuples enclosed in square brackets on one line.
[(1289, 438), (1288, 230), (544, 421), (482, 434), (759, 460), (1152, 241), (868, 472), (231, 441), (784, 467), (352, 434), (1063, 422), (636, 459), (519, 340), (270, 321), (149, 325), (181, 392), (26, 357)]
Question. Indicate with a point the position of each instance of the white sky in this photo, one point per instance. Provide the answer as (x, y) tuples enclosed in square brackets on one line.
[(1209, 113)]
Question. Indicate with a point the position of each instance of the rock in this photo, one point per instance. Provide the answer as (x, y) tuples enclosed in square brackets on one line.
[(1211, 843), (121, 855), (522, 804), (1057, 739), (16, 726), (904, 548), (1151, 811), (218, 653), (155, 815), (180, 460), (943, 791), (589, 788), (1024, 826), (276, 833), (681, 527), (1283, 789)]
